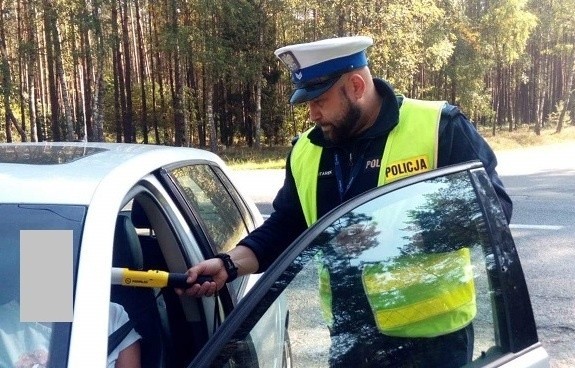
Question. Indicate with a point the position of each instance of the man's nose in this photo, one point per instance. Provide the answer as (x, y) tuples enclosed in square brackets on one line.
[(314, 112)]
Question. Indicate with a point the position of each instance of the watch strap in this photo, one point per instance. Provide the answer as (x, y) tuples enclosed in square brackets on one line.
[(229, 265)]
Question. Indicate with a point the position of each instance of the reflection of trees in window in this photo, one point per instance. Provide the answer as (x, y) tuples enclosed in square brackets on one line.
[(448, 220), (214, 204), (353, 233), (45, 155)]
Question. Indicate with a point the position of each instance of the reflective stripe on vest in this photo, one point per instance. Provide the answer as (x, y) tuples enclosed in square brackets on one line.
[(325, 294), (437, 293), (411, 148)]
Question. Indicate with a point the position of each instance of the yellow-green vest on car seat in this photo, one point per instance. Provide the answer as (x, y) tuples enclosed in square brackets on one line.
[(425, 309)]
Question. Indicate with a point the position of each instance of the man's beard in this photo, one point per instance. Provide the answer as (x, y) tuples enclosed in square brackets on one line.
[(343, 128)]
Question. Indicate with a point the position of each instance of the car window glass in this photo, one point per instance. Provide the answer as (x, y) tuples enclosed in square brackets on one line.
[(213, 203), (245, 213), (29, 343), (409, 266)]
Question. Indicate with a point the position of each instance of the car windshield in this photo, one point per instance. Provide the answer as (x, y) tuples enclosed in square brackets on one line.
[(31, 343)]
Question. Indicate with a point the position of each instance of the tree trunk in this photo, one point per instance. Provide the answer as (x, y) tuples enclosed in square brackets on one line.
[(180, 133), (51, 72), (61, 78), (153, 34), (128, 123), (6, 77), (31, 64), (142, 73), (210, 117), (87, 68), (192, 84), (120, 110), (97, 97), (22, 73), (119, 100), (163, 108), (259, 76), (202, 124), (569, 89), (535, 84), (161, 121)]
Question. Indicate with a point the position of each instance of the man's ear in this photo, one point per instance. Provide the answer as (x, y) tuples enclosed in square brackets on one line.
[(357, 85)]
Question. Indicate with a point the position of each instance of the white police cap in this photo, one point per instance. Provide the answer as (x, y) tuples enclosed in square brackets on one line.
[(316, 66)]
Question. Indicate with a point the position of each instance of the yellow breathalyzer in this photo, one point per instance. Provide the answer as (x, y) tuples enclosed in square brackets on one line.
[(153, 278)]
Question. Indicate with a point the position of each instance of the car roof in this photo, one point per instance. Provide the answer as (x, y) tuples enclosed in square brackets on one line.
[(70, 172)]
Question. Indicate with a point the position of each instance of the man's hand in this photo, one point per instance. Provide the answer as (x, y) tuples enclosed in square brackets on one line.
[(211, 267), (242, 256)]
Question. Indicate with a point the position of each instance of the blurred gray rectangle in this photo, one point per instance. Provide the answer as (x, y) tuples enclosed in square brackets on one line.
[(46, 274)]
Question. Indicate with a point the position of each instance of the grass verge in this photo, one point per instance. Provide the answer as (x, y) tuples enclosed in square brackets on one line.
[(525, 137), (246, 158)]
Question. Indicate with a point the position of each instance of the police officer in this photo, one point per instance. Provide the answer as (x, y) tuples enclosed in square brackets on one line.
[(364, 136)]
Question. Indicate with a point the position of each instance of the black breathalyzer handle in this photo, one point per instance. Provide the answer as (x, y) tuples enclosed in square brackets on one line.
[(179, 280)]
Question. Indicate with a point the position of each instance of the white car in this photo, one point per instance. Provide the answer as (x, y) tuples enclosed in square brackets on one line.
[(140, 207), (193, 211)]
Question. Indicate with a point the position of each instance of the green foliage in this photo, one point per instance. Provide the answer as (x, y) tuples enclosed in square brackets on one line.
[(506, 28), (440, 49), (439, 53), (301, 122)]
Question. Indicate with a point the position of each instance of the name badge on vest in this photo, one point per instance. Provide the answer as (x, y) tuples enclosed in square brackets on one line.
[(411, 166)]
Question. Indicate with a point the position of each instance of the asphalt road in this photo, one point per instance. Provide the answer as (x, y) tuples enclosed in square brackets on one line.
[(541, 183)]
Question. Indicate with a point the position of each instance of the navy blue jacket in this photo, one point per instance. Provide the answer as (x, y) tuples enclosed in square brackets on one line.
[(458, 142)]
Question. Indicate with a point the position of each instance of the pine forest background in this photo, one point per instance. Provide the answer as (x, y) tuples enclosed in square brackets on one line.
[(202, 72)]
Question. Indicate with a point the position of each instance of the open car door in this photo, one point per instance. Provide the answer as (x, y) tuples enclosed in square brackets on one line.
[(414, 233)]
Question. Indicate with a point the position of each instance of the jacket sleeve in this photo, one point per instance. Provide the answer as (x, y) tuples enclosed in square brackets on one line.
[(284, 225), (460, 142)]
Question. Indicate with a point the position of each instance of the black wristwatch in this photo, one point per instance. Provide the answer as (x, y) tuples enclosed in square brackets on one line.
[(229, 265)]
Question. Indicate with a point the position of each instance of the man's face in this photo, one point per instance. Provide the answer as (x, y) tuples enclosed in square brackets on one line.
[(335, 113)]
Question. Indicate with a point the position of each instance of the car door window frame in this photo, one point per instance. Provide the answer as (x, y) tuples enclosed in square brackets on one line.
[(515, 314)]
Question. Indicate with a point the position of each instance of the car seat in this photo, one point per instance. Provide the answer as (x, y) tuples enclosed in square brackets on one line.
[(139, 302), (153, 257)]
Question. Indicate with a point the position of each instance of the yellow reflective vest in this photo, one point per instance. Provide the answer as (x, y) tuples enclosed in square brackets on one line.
[(423, 295)]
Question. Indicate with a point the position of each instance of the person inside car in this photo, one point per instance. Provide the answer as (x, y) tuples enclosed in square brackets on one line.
[(25, 344)]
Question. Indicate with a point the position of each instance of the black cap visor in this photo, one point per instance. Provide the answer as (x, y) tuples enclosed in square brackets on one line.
[(309, 92)]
